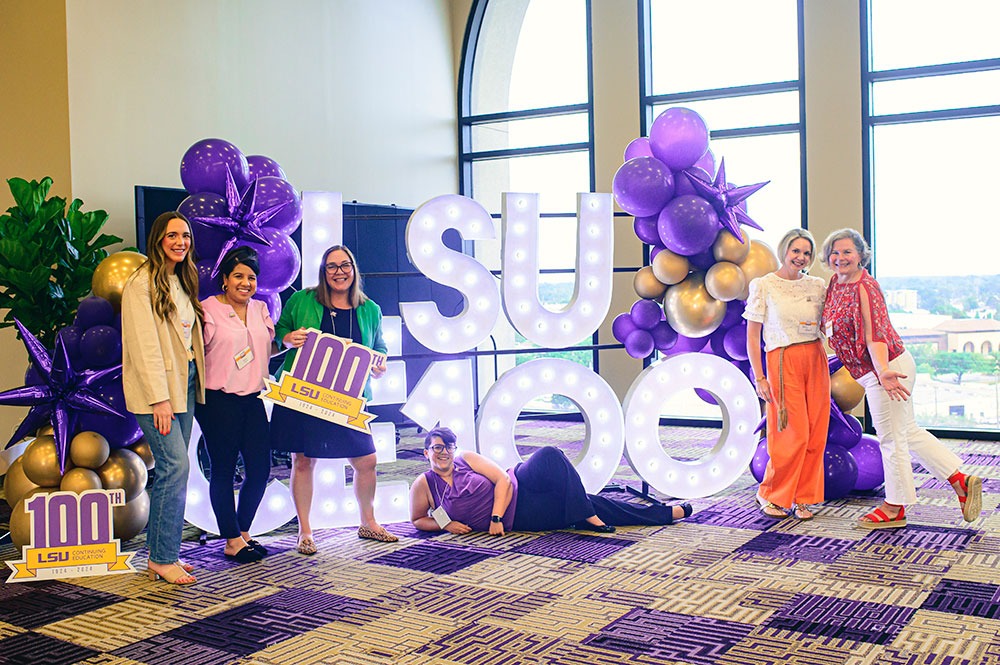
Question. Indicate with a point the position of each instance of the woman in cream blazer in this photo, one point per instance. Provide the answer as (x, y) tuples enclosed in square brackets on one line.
[(163, 369)]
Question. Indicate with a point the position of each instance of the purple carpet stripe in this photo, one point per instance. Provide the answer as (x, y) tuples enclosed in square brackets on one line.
[(39, 603), (573, 547), (924, 537), (167, 650), (981, 459), (35, 648), (965, 598), (790, 546), (732, 514), (841, 618), (435, 557), (666, 636)]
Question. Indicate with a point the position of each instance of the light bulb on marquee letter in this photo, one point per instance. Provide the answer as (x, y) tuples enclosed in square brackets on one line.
[(322, 227), (444, 395), (602, 414), (737, 443), (594, 255), (429, 254)]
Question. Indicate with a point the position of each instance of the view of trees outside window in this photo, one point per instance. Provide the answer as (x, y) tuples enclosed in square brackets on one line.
[(935, 137)]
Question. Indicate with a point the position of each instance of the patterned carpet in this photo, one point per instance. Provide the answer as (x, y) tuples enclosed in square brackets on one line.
[(725, 587)]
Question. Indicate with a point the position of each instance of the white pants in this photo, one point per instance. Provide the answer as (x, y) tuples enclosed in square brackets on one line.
[(900, 436)]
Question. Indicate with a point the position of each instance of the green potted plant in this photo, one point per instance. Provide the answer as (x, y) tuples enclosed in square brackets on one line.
[(48, 253)]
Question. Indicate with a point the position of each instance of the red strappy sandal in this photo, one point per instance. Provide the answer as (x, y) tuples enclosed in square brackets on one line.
[(877, 519), (972, 502)]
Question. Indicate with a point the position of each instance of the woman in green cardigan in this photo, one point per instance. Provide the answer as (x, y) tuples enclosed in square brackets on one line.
[(338, 306)]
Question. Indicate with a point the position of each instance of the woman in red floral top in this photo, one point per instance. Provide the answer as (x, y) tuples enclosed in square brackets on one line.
[(857, 326)]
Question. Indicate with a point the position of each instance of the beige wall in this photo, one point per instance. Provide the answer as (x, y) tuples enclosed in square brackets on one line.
[(34, 133)]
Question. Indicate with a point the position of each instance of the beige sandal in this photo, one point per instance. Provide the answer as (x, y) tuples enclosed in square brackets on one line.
[(306, 545)]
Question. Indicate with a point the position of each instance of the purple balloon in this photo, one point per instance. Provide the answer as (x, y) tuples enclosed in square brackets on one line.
[(840, 472), (688, 225), (94, 311), (642, 186), (645, 229), (279, 262), (273, 302), (272, 191), (119, 431), (702, 260), (32, 377), (638, 148), (868, 458), (664, 337), (203, 167), (689, 344), (101, 346), (260, 166), (734, 313), (834, 363), (758, 465), (682, 181), (208, 239), (646, 314), (208, 286), (622, 327), (655, 249), (735, 342), (717, 343), (844, 430), (707, 164), (639, 344), (678, 138), (70, 336), (705, 396)]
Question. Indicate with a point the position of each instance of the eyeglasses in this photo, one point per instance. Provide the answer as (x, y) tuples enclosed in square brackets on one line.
[(334, 268), (440, 448)]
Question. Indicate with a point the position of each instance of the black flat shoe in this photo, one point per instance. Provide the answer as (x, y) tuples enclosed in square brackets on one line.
[(599, 528), (687, 508), (258, 547), (246, 555)]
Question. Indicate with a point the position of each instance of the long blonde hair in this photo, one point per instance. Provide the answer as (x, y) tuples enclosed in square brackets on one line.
[(159, 274), (355, 296)]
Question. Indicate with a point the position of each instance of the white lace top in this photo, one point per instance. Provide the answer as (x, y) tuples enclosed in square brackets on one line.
[(789, 311)]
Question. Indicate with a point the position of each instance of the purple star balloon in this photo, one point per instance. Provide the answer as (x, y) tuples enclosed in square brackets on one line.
[(62, 394), (726, 199)]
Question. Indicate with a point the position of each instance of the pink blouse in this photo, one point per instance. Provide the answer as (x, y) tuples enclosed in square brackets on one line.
[(843, 309), (226, 337)]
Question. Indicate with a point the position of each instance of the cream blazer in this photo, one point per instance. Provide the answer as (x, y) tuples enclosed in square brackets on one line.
[(154, 355)]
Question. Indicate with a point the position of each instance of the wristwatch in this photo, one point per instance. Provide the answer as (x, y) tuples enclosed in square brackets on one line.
[(497, 518)]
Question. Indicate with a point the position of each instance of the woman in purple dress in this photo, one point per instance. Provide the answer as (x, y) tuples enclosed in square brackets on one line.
[(468, 492)]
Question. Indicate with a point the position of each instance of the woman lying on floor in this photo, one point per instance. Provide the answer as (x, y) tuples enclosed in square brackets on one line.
[(468, 492)]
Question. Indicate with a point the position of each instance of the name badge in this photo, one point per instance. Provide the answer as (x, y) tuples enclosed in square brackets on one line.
[(808, 327), (441, 517), (828, 329), (244, 357)]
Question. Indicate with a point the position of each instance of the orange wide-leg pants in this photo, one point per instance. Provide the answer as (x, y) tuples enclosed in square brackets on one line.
[(799, 378)]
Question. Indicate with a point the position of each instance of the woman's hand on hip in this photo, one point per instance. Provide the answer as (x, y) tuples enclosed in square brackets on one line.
[(457, 528), (163, 416), (295, 339)]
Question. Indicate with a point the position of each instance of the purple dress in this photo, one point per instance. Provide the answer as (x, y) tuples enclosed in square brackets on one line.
[(469, 498)]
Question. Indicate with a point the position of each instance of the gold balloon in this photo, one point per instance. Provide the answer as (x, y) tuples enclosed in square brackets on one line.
[(79, 480), (846, 392), (89, 449), (46, 430), (20, 520), (112, 273), (725, 281), (690, 309), (727, 247), (41, 462), (124, 470), (646, 285), (130, 519), (670, 268), (760, 261), (16, 484), (142, 449)]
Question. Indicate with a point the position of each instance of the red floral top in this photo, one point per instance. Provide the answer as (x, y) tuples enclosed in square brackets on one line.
[(843, 309)]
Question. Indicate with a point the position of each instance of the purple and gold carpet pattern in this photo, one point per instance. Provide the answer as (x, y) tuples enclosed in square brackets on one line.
[(727, 586)]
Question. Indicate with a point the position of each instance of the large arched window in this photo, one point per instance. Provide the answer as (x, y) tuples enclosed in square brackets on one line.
[(932, 119), (738, 64), (526, 125)]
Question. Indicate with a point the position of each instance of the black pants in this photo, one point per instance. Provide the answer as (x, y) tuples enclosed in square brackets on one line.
[(550, 495), (235, 425)]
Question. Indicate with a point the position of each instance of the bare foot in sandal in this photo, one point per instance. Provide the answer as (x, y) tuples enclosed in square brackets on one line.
[(306, 544)]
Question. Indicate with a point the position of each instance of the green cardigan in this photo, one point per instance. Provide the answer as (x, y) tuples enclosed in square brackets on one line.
[(303, 311)]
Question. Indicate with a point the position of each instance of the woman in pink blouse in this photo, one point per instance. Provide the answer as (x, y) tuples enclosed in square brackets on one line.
[(856, 323), (238, 344)]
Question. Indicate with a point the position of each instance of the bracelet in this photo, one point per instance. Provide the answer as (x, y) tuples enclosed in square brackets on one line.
[(761, 378)]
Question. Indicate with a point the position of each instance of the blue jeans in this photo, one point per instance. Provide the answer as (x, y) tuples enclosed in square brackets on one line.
[(168, 493)]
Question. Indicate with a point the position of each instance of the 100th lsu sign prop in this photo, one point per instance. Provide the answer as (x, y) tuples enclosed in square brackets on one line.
[(444, 394), (327, 380)]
